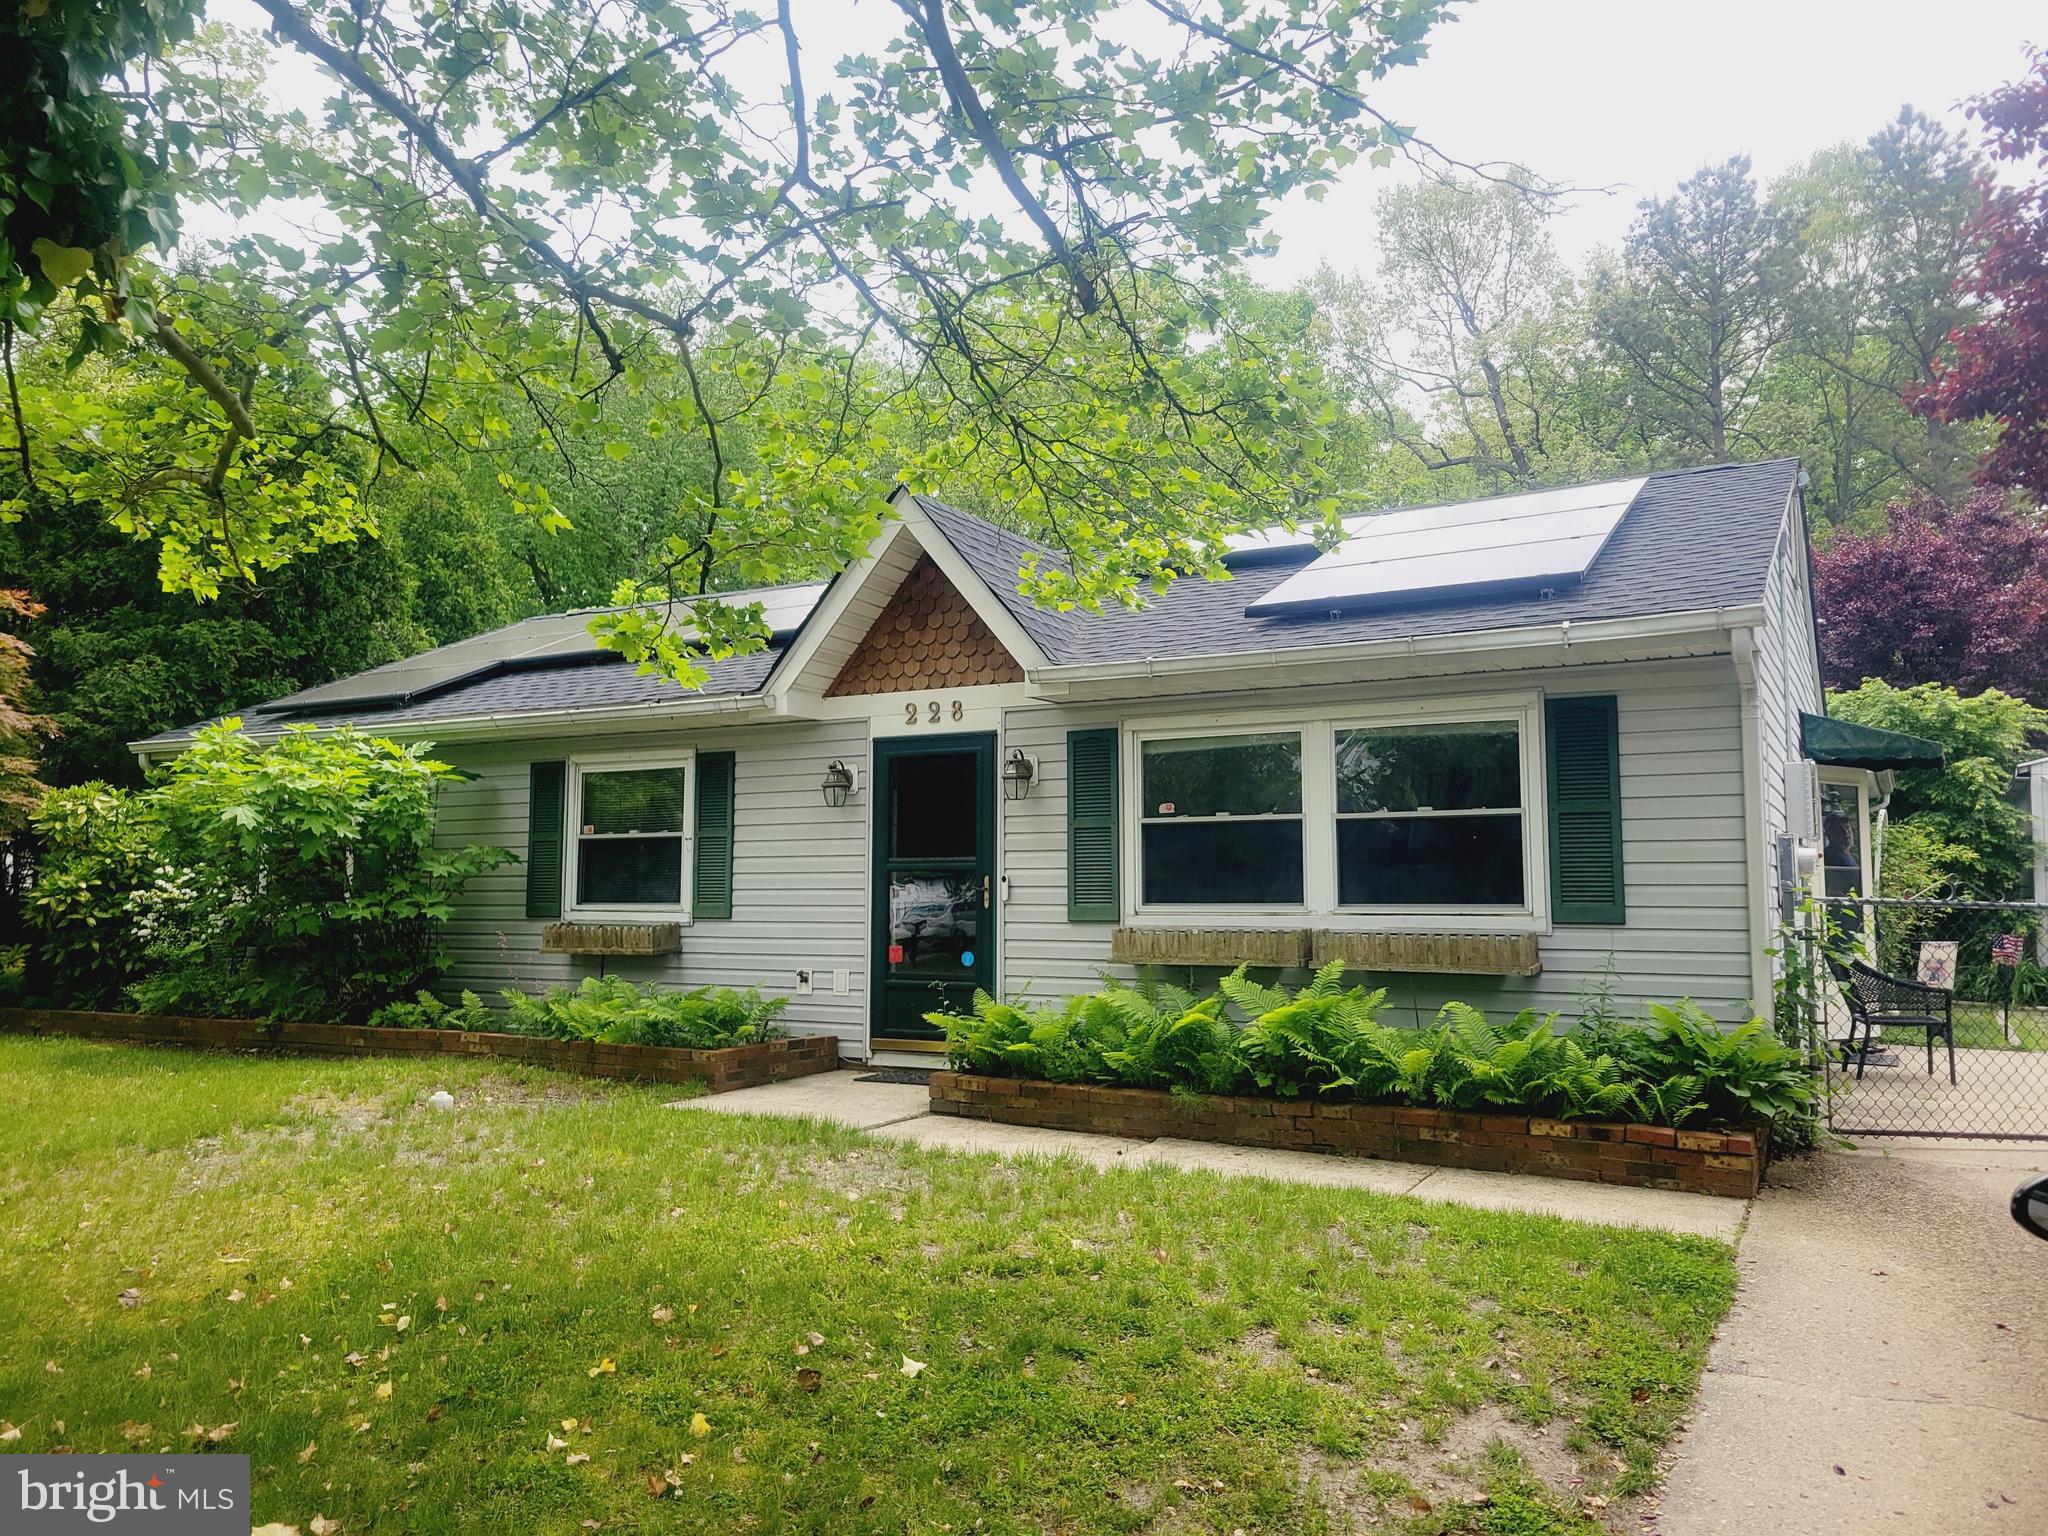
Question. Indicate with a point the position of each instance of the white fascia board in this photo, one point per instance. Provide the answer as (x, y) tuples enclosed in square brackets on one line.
[(830, 609), (1561, 636), (987, 605), (911, 523)]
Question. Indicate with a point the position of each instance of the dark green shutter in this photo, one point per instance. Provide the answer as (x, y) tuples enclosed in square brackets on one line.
[(1092, 873), (544, 784), (712, 877), (1584, 739)]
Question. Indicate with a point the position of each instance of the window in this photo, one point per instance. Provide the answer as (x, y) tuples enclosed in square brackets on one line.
[(1221, 820), (1414, 815), (631, 826), (1430, 815)]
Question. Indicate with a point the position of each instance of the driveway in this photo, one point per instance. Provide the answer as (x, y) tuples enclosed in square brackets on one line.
[(1885, 1367)]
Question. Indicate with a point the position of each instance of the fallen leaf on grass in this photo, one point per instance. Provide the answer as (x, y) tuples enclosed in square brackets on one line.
[(434, 1414), (130, 1297), (275, 1528), (815, 1337), (440, 1303), (663, 1315), (699, 1425), (912, 1367), (557, 1443), (142, 1372), (236, 1294), (605, 1367), (354, 1357), (322, 1526), (307, 1454), (809, 1379), (383, 1391), (405, 1322), (576, 1458), (135, 1433), (9, 1433)]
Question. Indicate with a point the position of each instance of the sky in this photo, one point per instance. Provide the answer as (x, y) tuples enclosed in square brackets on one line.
[(1638, 94)]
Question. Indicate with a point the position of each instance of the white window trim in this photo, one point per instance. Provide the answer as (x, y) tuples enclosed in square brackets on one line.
[(1858, 779), (1319, 818), (614, 762)]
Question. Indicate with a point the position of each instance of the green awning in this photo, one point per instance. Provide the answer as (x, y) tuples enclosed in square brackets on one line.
[(1845, 744)]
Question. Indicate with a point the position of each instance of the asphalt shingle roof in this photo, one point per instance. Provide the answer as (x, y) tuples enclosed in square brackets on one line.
[(1693, 539)]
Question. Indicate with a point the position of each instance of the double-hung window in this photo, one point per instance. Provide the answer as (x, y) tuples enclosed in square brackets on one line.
[(1221, 819), (1409, 815), (631, 821), (1430, 815)]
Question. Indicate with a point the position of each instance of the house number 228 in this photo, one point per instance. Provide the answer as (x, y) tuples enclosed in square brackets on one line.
[(934, 712)]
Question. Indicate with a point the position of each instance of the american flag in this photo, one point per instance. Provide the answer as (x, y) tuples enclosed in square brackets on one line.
[(2005, 949)]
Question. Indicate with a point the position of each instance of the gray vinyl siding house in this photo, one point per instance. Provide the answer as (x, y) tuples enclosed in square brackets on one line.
[(1499, 793)]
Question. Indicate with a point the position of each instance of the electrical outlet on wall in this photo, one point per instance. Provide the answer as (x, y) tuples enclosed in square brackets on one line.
[(841, 981)]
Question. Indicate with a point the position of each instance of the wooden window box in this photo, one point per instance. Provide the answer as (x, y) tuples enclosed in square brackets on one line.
[(1459, 954), (612, 939)]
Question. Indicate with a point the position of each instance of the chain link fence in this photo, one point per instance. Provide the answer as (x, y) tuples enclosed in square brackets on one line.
[(1929, 1017)]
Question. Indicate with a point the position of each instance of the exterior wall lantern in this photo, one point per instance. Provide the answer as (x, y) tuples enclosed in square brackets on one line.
[(840, 781), (1020, 772)]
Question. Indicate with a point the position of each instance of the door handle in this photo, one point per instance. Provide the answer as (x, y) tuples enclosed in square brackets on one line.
[(984, 892)]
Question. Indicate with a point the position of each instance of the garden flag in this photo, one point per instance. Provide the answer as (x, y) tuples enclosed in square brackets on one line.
[(1938, 963), (2005, 949)]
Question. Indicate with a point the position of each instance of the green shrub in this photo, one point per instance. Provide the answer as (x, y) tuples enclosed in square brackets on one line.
[(427, 1011), (1746, 1076), (620, 1012), (296, 878), (1326, 1040), (97, 847)]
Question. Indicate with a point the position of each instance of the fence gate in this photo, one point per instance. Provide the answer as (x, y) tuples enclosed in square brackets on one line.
[(1931, 1016)]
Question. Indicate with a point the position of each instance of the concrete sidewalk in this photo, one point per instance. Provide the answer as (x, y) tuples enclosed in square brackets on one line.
[(1885, 1367), (902, 1112)]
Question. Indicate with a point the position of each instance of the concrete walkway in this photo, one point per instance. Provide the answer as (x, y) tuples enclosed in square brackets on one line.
[(1885, 1367), (902, 1112)]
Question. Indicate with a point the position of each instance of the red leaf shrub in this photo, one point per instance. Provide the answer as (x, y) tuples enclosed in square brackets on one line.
[(1944, 595)]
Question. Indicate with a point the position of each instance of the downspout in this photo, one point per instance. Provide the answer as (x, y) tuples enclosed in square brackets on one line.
[(1756, 860)]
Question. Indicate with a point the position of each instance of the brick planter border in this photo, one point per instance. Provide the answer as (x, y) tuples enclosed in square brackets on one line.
[(1649, 1156), (738, 1066)]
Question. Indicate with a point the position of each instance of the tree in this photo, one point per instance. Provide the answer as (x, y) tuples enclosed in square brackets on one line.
[(1963, 804), (1009, 220), (21, 727), (1697, 305), (1465, 343), (2000, 368), (1942, 595), (117, 657), (1879, 241)]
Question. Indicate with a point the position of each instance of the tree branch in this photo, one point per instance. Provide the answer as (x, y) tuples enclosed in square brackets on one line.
[(237, 409), (931, 21)]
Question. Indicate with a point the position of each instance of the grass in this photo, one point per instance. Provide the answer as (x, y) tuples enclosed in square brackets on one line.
[(510, 1318), (1978, 1028)]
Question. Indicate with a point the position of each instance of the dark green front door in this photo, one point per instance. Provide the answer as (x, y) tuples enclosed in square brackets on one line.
[(935, 912)]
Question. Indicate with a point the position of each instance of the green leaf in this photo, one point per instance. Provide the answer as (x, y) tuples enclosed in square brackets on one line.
[(62, 264)]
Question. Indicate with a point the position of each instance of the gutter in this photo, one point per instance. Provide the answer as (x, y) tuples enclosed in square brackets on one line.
[(613, 721), (1562, 634)]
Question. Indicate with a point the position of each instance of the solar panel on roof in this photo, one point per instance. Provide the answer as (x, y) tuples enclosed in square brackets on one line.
[(1542, 538), (553, 637)]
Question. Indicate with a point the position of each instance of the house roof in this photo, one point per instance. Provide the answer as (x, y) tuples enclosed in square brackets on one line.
[(1691, 541)]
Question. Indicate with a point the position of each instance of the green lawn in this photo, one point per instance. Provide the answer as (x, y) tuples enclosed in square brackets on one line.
[(509, 1318), (1978, 1028)]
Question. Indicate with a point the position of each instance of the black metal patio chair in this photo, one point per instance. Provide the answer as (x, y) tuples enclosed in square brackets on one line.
[(1877, 1001)]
